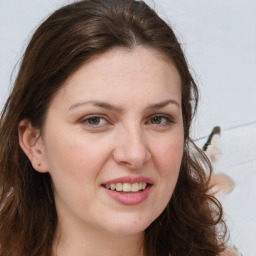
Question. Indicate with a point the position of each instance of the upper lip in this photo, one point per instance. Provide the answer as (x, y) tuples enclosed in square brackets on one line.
[(129, 179)]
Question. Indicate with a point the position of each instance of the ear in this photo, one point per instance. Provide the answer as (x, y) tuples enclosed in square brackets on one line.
[(31, 143)]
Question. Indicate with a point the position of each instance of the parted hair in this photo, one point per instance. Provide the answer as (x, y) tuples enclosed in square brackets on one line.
[(192, 222)]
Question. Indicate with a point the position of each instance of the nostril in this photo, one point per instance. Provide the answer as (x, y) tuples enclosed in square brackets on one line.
[(132, 150)]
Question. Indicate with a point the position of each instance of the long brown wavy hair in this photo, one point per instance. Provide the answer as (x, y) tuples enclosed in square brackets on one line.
[(72, 35)]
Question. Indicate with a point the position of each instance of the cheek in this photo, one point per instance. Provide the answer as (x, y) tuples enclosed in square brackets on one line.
[(66, 151), (167, 159), (74, 163), (168, 155)]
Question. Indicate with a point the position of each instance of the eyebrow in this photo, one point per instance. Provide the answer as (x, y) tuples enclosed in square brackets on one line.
[(163, 104), (96, 104), (119, 109)]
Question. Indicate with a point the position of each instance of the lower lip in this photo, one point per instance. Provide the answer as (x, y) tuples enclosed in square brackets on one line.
[(129, 199)]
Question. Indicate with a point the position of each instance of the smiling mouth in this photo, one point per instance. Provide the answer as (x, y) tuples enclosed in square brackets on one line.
[(125, 188)]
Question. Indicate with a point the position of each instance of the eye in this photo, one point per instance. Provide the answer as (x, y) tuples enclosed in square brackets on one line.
[(94, 121), (160, 120)]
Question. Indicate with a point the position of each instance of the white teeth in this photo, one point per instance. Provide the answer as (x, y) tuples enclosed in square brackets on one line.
[(119, 187), (135, 187), (127, 187)]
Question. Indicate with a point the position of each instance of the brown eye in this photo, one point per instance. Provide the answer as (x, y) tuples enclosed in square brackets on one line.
[(94, 120), (161, 120), (156, 120)]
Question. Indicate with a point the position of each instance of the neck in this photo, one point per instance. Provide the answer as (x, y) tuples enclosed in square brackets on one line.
[(92, 242)]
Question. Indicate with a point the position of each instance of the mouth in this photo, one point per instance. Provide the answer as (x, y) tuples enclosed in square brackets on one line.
[(127, 188)]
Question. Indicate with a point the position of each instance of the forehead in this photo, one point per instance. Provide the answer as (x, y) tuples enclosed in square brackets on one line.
[(120, 74)]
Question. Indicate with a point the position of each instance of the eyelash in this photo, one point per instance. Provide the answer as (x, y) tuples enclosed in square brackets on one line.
[(92, 118), (86, 121), (168, 120)]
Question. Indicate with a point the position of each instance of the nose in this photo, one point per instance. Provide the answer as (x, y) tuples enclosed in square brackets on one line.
[(131, 149)]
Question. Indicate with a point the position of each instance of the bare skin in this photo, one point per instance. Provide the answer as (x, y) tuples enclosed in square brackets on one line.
[(116, 121)]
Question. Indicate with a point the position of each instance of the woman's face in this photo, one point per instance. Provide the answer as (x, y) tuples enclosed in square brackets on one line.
[(113, 141)]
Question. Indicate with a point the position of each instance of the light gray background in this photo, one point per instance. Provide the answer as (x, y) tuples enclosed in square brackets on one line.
[(219, 39)]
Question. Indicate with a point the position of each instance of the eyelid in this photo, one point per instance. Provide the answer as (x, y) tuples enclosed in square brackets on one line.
[(169, 119), (84, 120)]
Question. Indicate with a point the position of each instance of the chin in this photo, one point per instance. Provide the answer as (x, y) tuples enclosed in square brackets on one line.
[(128, 231), (130, 226)]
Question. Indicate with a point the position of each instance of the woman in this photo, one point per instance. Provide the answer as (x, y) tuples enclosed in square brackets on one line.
[(96, 157)]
